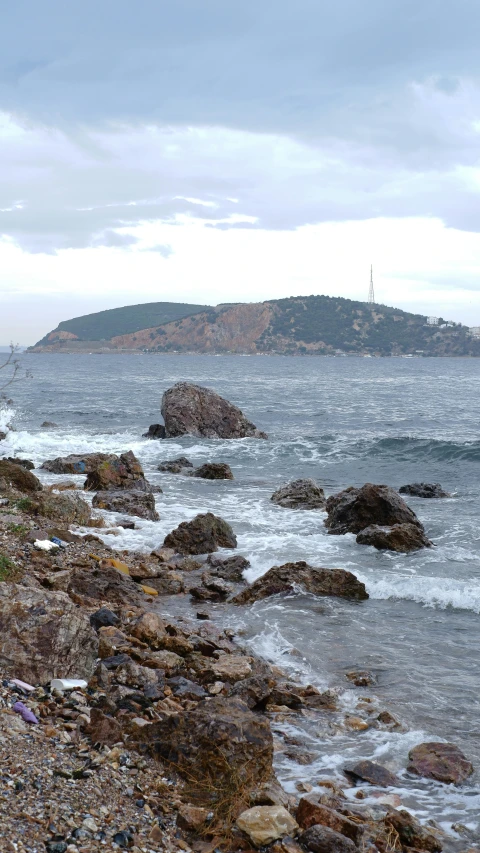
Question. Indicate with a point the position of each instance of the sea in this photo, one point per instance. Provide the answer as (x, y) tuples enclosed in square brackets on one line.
[(342, 421)]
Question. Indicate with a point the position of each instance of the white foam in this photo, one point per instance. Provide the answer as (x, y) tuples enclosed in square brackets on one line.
[(430, 591)]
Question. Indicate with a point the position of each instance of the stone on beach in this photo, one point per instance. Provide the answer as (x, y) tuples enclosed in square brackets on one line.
[(264, 824), (300, 494), (204, 534), (319, 581), (64, 508), (76, 463), (15, 476), (321, 839), (354, 509), (194, 410), (132, 502), (403, 538)]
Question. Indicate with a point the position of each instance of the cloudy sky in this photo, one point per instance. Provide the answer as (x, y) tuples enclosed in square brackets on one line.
[(225, 150)]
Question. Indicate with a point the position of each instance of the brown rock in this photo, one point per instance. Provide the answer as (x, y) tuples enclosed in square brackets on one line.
[(194, 410), (167, 583), (214, 471), (175, 466), (64, 508), (105, 584), (150, 629), (229, 568), (300, 494), (410, 832), (76, 463), (131, 502), (191, 818), (321, 839), (17, 477), (312, 812), (441, 761), (264, 824), (403, 538), (103, 729), (230, 668), (204, 534), (117, 472), (369, 771), (319, 581), (354, 509)]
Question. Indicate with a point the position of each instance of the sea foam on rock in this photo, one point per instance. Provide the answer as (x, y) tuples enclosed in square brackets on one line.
[(194, 410)]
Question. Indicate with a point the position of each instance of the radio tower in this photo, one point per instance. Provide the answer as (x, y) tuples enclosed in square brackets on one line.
[(371, 294)]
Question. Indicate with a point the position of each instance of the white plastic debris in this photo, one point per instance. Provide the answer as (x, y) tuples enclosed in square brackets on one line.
[(22, 684), (68, 684), (44, 545)]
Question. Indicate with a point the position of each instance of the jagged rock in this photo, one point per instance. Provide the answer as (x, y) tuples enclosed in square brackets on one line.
[(76, 463), (204, 534), (103, 618), (229, 568), (186, 689), (410, 832), (318, 581), (424, 490), (231, 668), (64, 508), (441, 761), (354, 509), (264, 824), (44, 636), (321, 839), (134, 502), (192, 818), (105, 584), (175, 466), (103, 729), (403, 538), (194, 410), (15, 476), (214, 471), (167, 583), (25, 463), (254, 691), (117, 472), (369, 771), (300, 494), (150, 629), (311, 812), (155, 431), (212, 589)]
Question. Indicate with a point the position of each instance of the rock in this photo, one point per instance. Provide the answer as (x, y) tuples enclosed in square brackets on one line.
[(354, 509), (49, 425), (103, 618), (229, 568), (15, 476), (150, 629), (204, 534), (400, 537), (168, 583), (318, 581), (3, 435), (194, 410), (118, 472), (230, 668), (361, 678), (47, 533), (64, 508), (321, 839), (254, 691), (43, 635), (369, 771), (175, 466), (103, 729), (134, 502), (25, 463), (410, 832), (191, 818), (214, 471), (300, 494), (264, 824), (75, 463), (312, 812), (105, 584), (186, 689), (155, 431), (424, 490), (441, 761)]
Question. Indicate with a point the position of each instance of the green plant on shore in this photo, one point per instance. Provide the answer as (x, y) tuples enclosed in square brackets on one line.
[(18, 529), (24, 504), (7, 568)]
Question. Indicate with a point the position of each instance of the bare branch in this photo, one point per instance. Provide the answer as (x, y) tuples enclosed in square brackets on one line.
[(14, 371)]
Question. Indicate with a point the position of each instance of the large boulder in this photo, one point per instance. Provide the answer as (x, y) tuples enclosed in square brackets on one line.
[(194, 410), (118, 472), (76, 463), (424, 490), (214, 471), (354, 509), (287, 578), (43, 635), (105, 584), (65, 508), (400, 537), (444, 762), (135, 502), (203, 535), (300, 494), (15, 476)]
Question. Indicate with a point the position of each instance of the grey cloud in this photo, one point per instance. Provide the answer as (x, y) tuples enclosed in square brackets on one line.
[(113, 239)]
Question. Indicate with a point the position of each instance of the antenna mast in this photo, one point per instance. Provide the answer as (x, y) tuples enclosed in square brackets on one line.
[(371, 294)]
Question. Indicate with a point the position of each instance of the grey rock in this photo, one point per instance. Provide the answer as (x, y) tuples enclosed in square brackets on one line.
[(354, 509), (319, 581), (194, 410), (204, 534), (403, 538), (134, 502), (175, 466), (300, 494), (424, 490)]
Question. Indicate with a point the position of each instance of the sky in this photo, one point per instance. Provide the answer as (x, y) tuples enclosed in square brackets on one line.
[(214, 151)]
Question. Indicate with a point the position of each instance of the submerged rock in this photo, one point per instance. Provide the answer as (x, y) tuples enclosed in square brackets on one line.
[(13, 475), (318, 581), (264, 824), (194, 410), (155, 431), (354, 509), (134, 502), (118, 472), (444, 762), (400, 537), (424, 490), (76, 463), (300, 494), (204, 534), (175, 466), (370, 771), (214, 471)]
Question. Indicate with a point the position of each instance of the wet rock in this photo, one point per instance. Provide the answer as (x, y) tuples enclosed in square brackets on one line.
[(441, 761), (15, 476), (3, 435), (361, 678), (43, 635), (204, 534), (369, 771), (300, 494), (424, 490), (228, 568), (75, 463), (103, 729), (264, 824), (403, 538), (155, 431), (354, 509), (118, 472), (311, 812), (64, 508), (105, 584), (321, 839), (194, 410), (254, 691), (410, 832), (319, 581), (214, 471), (175, 466), (25, 463), (167, 583), (134, 502)]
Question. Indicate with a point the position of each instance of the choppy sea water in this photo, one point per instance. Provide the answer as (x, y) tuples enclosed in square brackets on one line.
[(342, 421)]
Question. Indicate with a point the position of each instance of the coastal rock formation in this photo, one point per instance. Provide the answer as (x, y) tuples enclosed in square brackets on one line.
[(318, 581), (76, 463), (44, 635), (15, 476), (441, 761), (300, 494), (117, 472), (354, 509), (65, 508), (312, 811), (176, 466), (410, 832), (370, 771), (424, 490), (104, 584), (189, 409), (155, 431), (264, 824), (229, 568), (203, 535), (134, 502), (25, 463), (400, 537), (214, 471)]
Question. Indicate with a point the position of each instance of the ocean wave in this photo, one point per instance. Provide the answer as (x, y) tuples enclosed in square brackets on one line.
[(439, 592), (407, 448)]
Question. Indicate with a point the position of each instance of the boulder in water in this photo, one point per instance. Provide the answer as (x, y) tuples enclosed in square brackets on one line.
[(155, 431), (118, 472), (175, 466), (400, 537), (214, 471), (189, 409), (300, 494), (441, 761), (49, 425), (15, 476), (203, 535), (229, 568), (354, 509), (424, 490), (76, 463), (369, 771), (319, 581), (25, 463), (134, 502)]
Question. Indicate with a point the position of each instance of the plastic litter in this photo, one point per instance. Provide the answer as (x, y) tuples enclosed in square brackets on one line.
[(59, 542), (148, 590), (68, 684), (117, 564), (3, 501), (22, 684), (44, 545), (25, 713)]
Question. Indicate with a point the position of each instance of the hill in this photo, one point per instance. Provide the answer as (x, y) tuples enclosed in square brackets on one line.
[(302, 325)]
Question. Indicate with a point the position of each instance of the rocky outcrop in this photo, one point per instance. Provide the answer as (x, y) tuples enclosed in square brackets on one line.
[(155, 431), (424, 490), (312, 811), (300, 494), (286, 578), (76, 463), (176, 466), (354, 509), (25, 463), (264, 824), (105, 584), (135, 502), (43, 635), (228, 568), (441, 761), (15, 476), (369, 771), (118, 472), (214, 471), (203, 535), (410, 833), (400, 537), (189, 409), (65, 508)]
